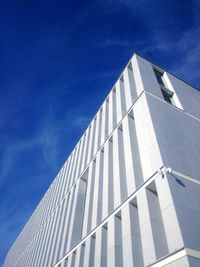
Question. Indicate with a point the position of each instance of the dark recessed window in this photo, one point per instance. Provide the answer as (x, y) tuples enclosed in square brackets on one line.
[(122, 78), (130, 67), (167, 96), (159, 77)]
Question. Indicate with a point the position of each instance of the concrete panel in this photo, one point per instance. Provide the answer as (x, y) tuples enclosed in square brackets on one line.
[(89, 252), (100, 257), (130, 89), (131, 238), (114, 252)]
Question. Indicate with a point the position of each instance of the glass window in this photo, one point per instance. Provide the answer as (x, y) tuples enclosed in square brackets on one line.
[(159, 77), (167, 96)]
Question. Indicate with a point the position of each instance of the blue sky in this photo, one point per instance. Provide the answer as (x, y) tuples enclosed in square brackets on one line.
[(58, 60)]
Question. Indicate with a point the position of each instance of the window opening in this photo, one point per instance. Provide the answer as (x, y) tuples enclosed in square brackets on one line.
[(167, 94)]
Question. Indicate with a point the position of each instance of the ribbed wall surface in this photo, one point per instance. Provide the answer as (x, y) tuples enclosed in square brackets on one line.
[(107, 205)]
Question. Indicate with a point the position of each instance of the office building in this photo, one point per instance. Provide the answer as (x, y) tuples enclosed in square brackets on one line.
[(129, 193)]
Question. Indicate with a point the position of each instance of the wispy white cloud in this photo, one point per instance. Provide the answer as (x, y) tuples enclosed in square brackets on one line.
[(187, 49), (48, 135), (81, 122), (47, 141), (13, 152)]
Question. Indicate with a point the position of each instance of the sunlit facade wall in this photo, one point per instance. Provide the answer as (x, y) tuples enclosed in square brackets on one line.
[(129, 193)]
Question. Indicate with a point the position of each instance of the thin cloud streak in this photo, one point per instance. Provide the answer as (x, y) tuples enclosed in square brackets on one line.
[(81, 122), (186, 47), (13, 152)]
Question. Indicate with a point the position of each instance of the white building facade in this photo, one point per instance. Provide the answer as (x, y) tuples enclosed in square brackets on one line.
[(129, 193)]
